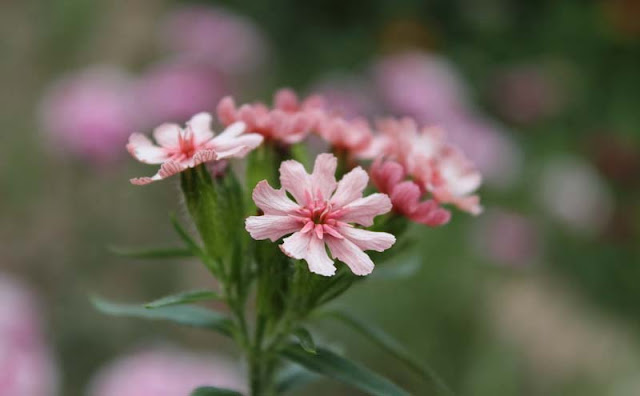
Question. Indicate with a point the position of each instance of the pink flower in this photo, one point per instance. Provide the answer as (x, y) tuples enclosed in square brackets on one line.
[(182, 148), (205, 33), (319, 216), (163, 372), (90, 114), (352, 136), (175, 90), (26, 365), (288, 122), (389, 177), (451, 178)]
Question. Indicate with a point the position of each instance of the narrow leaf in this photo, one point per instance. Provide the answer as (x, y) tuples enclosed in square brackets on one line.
[(335, 366), (293, 376), (183, 298), (213, 391), (151, 253), (392, 346), (187, 315), (306, 341), (186, 238)]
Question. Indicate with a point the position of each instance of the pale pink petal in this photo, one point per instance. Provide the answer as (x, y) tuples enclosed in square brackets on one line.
[(297, 244), (249, 141), (232, 131), (272, 201), (430, 213), (469, 204), (202, 156), (166, 135), (317, 258), (167, 169), (287, 100), (200, 125), (227, 110), (295, 179), (350, 188), (323, 177), (142, 149), (362, 211), (271, 227), (347, 252), (368, 240)]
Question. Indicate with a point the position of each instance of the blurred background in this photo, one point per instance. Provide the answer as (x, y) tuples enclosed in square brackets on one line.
[(537, 296)]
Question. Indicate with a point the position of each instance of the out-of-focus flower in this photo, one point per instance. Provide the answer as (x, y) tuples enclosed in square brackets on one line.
[(421, 85), (575, 194), (164, 372), (26, 365), (507, 238), (89, 113), (525, 94), (229, 41), (431, 90), (177, 89), (347, 96), (351, 136), (182, 148), (389, 177), (320, 215), (288, 122)]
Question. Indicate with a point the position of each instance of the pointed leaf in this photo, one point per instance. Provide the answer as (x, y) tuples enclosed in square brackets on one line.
[(392, 346), (151, 253), (187, 315), (339, 368), (213, 391), (292, 377), (183, 298), (306, 341)]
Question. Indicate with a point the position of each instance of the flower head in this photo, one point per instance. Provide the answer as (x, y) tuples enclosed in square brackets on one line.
[(389, 177), (180, 148), (289, 121), (319, 216), (352, 136)]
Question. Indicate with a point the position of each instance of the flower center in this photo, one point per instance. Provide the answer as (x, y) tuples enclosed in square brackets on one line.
[(186, 142)]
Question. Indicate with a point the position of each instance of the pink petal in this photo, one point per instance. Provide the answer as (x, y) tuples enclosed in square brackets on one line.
[(166, 135), (167, 169), (429, 213), (202, 156), (317, 258), (248, 141), (405, 197), (297, 244), (362, 211), (200, 124), (385, 175), (368, 240), (295, 180), (227, 110), (285, 99), (347, 252), (272, 201), (142, 149), (323, 177), (271, 227), (232, 131), (350, 187)]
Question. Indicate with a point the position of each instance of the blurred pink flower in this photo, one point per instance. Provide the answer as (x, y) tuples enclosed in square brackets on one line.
[(164, 372), (182, 148), (507, 238), (90, 113), (347, 96), (431, 90), (319, 216), (26, 365), (229, 41), (351, 136), (389, 177), (421, 85), (572, 191), (525, 94), (177, 89), (288, 122)]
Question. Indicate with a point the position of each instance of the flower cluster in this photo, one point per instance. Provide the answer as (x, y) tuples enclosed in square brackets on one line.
[(414, 169)]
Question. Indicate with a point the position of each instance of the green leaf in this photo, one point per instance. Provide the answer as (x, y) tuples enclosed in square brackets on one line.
[(183, 298), (213, 391), (151, 253), (187, 315), (186, 238), (292, 377), (335, 366), (392, 346), (306, 341)]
